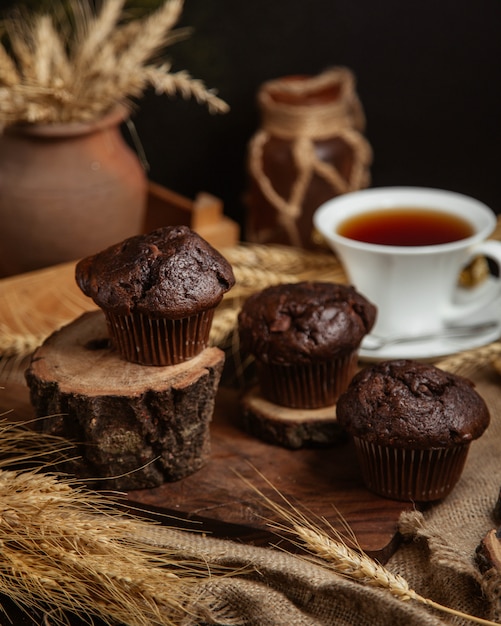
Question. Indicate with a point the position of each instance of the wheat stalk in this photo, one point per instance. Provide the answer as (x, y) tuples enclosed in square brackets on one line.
[(222, 325), (282, 258), (97, 31), (339, 551), (353, 564), (467, 362), (151, 38), (18, 344), (67, 550), (8, 71), (249, 279), (79, 65), (258, 266), (57, 550)]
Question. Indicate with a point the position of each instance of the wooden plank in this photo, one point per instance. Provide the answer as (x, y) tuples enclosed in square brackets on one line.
[(325, 481), (166, 207), (207, 211), (204, 214)]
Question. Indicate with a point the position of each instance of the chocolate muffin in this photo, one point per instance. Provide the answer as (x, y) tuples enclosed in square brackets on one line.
[(158, 292), (412, 424), (305, 338)]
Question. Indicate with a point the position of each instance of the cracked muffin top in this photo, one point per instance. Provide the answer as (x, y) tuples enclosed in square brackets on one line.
[(304, 322), (410, 404), (171, 272)]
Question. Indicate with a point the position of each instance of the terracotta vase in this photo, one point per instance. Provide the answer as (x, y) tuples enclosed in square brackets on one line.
[(66, 191), (309, 148)]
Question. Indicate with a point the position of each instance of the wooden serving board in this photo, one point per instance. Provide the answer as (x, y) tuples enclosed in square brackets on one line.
[(219, 498), (325, 481)]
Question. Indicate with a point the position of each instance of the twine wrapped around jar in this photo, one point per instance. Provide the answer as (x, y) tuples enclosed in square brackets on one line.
[(310, 148)]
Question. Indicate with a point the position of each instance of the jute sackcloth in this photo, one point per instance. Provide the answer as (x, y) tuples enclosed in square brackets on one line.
[(274, 588), (439, 562)]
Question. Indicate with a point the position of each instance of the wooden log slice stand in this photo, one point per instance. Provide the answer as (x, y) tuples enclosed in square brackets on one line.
[(288, 427), (133, 426)]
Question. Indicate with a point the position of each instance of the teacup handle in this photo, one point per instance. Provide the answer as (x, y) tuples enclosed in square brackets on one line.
[(477, 298)]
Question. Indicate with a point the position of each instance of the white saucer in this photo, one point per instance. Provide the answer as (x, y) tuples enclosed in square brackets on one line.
[(444, 346), (431, 349)]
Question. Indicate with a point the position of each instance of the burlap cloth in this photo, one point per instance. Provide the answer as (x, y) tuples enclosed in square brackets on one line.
[(437, 558)]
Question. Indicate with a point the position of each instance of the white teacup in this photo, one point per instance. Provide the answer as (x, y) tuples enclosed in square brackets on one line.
[(415, 287)]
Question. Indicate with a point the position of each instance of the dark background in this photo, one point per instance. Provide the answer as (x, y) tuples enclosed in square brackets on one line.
[(428, 75)]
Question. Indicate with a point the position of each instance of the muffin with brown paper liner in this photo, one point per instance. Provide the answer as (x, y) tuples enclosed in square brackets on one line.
[(412, 424), (158, 292), (305, 338)]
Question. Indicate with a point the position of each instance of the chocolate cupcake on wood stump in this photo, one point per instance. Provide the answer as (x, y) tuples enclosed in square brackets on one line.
[(158, 293), (305, 339), (134, 385), (412, 425)]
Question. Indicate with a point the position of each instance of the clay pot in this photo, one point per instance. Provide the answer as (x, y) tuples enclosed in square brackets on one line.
[(309, 148), (66, 191)]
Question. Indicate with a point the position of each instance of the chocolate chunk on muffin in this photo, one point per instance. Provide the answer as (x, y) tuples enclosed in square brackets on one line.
[(305, 338), (412, 424), (158, 292)]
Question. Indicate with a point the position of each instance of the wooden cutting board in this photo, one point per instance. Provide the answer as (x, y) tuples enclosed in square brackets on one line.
[(221, 499), (325, 481)]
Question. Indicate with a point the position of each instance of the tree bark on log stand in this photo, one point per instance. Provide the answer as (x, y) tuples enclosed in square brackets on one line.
[(288, 427), (133, 426)]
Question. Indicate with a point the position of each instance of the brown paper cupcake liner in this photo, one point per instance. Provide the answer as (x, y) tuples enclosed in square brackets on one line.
[(310, 386), (152, 341), (411, 475)]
